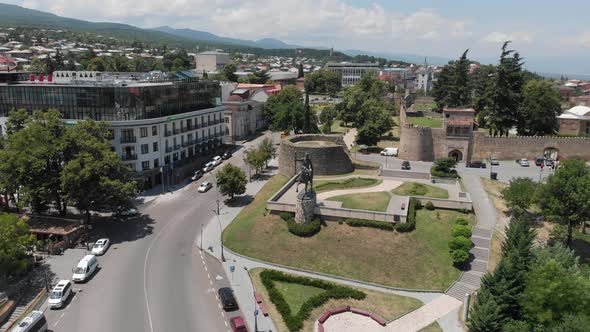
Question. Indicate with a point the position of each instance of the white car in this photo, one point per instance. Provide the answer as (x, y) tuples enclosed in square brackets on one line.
[(494, 161), (208, 167), (100, 247), (523, 162), (60, 294), (389, 152), (216, 160), (205, 186)]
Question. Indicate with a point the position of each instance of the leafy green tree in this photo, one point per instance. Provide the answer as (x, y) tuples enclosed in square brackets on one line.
[(15, 242), (378, 123), (285, 111), (327, 116), (300, 74), (229, 72), (268, 149), (520, 194), (255, 159), (566, 198), (38, 66), (178, 65), (572, 323), (231, 181), (540, 107), (444, 167), (259, 77), (323, 81), (94, 177), (17, 120)]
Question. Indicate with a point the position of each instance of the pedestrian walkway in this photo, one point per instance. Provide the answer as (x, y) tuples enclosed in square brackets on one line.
[(349, 138), (425, 315)]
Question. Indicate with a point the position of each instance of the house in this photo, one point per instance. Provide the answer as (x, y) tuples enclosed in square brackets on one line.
[(575, 121), (7, 64), (245, 113)]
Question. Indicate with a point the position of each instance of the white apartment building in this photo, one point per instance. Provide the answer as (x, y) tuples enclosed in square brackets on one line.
[(352, 72)]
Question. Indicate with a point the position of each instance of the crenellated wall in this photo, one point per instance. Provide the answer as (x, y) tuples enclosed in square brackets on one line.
[(416, 143)]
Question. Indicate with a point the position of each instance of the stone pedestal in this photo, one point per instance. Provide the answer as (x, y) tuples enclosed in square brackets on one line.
[(306, 203)]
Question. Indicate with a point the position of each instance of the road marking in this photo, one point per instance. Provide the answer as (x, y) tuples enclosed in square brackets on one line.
[(206, 269), (211, 282), (226, 324), (219, 305), (147, 255)]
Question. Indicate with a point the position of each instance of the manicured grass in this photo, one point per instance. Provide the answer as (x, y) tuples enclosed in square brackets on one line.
[(425, 122), (296, 294), (420, 189), (424, 107), (321, 186), (388, 306), (419, 259), (366, 201), (434, 327), (337, 127)]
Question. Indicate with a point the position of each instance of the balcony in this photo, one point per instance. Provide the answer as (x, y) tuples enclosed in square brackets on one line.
[(177, 147), (183, 129), (167, 133), (130, 156), (176, 131), (168, 149), (128, 139)]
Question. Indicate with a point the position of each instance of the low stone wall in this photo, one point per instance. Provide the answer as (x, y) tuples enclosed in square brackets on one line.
[(435, 179), (330, 159), (359, 214), (450, 204), (395, 173)]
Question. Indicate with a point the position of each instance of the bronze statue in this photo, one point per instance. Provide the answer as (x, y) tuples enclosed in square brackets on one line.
[(306, 174)]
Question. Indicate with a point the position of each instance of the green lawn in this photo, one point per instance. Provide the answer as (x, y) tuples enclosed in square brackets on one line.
[(366, 201), (424, 107), (388, 306), (426, 122), (419, 259), (296, 294), (321, 186), (420, 189), (337, 127), (434, 327)]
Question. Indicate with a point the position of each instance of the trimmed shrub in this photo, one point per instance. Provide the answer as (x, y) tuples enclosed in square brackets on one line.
[(286, 215), (410, 225), (304, 230), (295, 321), (370, 223), (462, 221), (440, 174), (464, 211), (405, 228), (460, 257), (460, 243), (429, 206), (460, 230)]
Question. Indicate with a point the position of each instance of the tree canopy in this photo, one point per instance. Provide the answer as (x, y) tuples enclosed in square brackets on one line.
[(231, 181), (541, 105), (15, 242), (323, 81)]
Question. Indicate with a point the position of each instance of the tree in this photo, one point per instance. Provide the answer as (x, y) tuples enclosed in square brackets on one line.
[(231, 181), (259, 77), (566, 197), (327, 116), (452, 86), (444, 167), (485, 315), (539, 110), (285, 111), (572, 323), (15, 242), (17, 120), (255, 159), (323, 81), (38, 66), (520, 194), (300, 74), (178, 65), (94, 177), (379, 122), (268, 149), (229, 72)]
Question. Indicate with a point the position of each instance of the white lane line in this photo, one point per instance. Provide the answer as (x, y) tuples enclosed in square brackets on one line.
[(208, 276), (206, 268), (211, 282), (147, 255), (223, 314), (226, 324), (219, 305)]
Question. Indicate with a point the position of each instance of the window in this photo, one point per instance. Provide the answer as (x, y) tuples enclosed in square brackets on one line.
[(154, 130), (143, 131), (145, 165), (145, 148), (156, 163), (155, 146), (167, 159)]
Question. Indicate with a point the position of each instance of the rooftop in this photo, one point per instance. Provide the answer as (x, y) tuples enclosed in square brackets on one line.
[(352, 64), (576, 113), (456, 110)]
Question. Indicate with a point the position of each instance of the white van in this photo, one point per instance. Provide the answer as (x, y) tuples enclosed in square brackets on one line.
[(60, 294), (85, 268), (34, 322), (389, 152)]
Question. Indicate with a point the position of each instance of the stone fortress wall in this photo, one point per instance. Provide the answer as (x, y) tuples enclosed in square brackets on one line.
[(330, 159)]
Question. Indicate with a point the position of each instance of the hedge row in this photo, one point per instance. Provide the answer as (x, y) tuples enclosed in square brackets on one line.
[(410, 224), (370, 223), (439, 174), (304, 230), (461, 242), (295, 322)]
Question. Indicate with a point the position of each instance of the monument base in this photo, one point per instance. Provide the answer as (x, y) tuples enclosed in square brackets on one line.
[(304, 207)]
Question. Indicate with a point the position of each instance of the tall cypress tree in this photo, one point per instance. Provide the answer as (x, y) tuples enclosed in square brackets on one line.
[(300, 74)]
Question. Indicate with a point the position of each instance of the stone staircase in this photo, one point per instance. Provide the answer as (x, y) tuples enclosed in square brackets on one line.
[(471, 278), (20, 309)]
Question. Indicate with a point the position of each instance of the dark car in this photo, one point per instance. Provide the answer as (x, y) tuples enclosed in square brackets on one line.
[(539, 161), (226, 155), (228, 301), (406, 164), (476, 164)]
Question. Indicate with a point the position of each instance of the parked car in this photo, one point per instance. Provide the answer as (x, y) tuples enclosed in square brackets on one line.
[(35, 321), (208, 167), (216, 160), (539, 161), (389, 152), (477, 164), (204, 187), (228, 301), (101, 246), (237, 324), (85, 268), (548, 162), (198, 174), (494, 161), (226, 155), (523, 162), (406, 165), (123, 212), (60, 294)]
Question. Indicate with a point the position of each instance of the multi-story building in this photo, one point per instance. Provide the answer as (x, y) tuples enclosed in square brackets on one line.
[(158, 121), (575, 121), (211, 61), (352, 72)]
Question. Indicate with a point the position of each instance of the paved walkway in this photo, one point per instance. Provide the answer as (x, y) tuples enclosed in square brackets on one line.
[(424, 315), (385, 185), (349, 138)]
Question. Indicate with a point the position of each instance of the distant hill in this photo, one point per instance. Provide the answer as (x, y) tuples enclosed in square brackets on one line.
[(207, 36)]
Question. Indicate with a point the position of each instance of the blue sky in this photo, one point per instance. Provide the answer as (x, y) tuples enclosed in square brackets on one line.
[(550, 34)]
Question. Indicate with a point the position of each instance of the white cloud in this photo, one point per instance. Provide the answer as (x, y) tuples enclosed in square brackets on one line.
[(581, 40), (428, 24), (515, 36)]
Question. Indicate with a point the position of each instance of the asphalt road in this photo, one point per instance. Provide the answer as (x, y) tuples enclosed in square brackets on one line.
[(153, 278)]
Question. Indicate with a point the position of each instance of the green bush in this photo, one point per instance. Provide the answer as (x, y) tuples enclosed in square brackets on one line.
[(440, 174), (295, 321), (460, 230), (286, 215), (370, 223), (460, 243), (462, 221), (460, 257), (429, 206), (410, 224), (464, 211), (405, 228), (304, 230)]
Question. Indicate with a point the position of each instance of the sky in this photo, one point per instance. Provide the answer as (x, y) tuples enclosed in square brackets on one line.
[(548, 32)]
